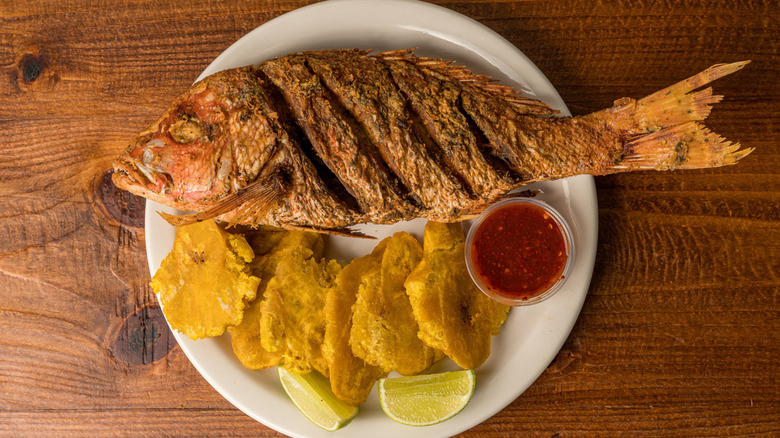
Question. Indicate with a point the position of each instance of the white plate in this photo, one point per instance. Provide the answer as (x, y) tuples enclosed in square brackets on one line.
[(530, 338)]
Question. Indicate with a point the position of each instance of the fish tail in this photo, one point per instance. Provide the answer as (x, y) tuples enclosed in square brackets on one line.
[(671, 106), (662, 131), (686, 146), (679, 103)]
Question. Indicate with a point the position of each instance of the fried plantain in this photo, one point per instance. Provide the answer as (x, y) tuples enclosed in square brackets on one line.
[(205, 282), (246, 341), (263, 239), (351, 378), (454, 316), (269, 245), (384, 331), (292, 320)]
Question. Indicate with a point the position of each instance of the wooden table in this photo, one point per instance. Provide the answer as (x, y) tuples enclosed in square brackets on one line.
[(680, 333)]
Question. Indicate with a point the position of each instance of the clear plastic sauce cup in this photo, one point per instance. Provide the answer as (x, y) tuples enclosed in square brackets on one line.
[(519, 251)]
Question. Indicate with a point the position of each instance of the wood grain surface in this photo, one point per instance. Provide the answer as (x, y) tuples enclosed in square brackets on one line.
[(679, 335)]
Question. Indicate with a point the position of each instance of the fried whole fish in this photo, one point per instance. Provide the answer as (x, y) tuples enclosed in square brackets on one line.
[(323, 140)]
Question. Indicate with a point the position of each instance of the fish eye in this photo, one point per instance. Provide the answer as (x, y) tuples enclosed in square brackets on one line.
[(186, 129)]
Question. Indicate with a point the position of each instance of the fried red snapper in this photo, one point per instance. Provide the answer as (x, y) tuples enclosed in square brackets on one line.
[(323, 140)]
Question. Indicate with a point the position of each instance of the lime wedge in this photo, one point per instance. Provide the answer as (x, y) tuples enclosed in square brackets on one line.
[(312, 395), (426, 399)]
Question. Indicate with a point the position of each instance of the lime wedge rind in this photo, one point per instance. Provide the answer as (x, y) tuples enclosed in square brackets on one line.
[(312, 395), (426, 400)]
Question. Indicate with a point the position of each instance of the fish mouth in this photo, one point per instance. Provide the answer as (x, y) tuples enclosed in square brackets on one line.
[(140, 180)]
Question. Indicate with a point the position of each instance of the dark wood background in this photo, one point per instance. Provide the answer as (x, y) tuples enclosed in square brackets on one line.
[(680, 333)]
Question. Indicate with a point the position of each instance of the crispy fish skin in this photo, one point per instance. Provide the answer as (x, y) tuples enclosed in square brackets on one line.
[(454, 316), (341, 144), (384, 331), (435, 102), (351, 378), (365, 88), (524, 143), (228, 147), (309, 199)]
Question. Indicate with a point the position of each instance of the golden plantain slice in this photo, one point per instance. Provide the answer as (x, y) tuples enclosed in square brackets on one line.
[(292, 319), (269, 245), (264, 239), (351, 379), (453, 314), (205, 282), (384, 331), (284, 242), (246, 340)]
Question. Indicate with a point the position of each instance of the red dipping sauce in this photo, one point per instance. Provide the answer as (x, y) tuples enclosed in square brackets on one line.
[(518, 251)]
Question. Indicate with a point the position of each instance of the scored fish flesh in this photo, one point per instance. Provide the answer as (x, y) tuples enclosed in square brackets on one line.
[(323, 140)]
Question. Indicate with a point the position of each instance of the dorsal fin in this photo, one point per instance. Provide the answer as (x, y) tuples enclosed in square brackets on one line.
[(447, 70)]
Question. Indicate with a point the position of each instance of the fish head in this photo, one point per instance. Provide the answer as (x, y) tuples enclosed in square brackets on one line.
[(208, 144)]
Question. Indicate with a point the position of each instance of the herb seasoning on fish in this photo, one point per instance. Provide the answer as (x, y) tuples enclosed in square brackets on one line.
[(324, 140), (519, 251)]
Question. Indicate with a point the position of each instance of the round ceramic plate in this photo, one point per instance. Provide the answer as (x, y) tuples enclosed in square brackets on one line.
[(531, 336)]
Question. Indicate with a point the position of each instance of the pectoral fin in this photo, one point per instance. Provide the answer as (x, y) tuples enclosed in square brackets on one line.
[(252, 202)]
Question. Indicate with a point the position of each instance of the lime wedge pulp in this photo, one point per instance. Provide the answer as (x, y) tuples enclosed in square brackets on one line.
[(426, 399), (312, 395)]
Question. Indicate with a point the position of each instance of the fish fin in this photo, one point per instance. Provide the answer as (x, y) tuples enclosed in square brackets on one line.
[(687, 146), (469, 79), (341, 231), (669, 96), (672, 105), (253, 211), (249, 203), (662, 130)]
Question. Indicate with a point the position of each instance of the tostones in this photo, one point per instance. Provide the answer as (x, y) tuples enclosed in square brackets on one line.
[(454, 316), (384, 330), (205, 282), (269, 246), (351, 378), (292, 319)]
